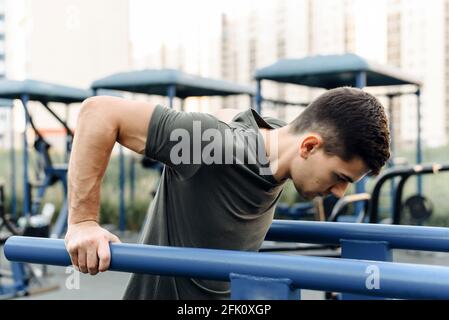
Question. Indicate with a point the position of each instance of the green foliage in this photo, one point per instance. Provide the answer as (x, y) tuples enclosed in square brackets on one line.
[(145, 182)]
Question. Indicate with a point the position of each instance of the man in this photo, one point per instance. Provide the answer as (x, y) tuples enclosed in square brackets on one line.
[(223, 176)]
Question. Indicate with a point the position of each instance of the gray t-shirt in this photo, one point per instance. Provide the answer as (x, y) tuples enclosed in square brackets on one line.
[(205, 204)]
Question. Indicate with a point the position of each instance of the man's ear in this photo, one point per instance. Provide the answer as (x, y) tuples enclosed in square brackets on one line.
[(309, 144)]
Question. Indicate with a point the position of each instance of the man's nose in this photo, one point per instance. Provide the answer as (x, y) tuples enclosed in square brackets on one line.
[(339, 189)]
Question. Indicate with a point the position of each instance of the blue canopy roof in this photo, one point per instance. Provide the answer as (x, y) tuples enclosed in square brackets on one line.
[(156, 82), (332, 71), (42, 91)]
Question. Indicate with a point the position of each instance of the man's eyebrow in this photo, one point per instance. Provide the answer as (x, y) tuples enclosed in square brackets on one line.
[(345, 177)]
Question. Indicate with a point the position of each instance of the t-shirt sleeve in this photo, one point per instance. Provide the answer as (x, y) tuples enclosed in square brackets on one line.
[(175, 138)]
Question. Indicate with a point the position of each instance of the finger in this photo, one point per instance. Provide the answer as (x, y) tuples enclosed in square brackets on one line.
[(114, 239), (73, 253), (104, 254), (82, 260), (92, 260), (74, 258)]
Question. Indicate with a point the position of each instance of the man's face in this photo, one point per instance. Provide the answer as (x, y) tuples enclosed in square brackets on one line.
[(319, 174)]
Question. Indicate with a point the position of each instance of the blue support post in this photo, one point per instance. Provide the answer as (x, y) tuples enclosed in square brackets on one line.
[(67, 137), (366, 250), (171, 94), (61, 222), (13, 166), (18, 275), (419, 157), (360, 82), (122, 213), (26, 190), (244, 287), (259, 97), (392, 147), (132, 179)]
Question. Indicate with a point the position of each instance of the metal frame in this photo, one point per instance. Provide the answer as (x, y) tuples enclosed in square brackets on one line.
[(12, 152), (403, 173), (360, 82)]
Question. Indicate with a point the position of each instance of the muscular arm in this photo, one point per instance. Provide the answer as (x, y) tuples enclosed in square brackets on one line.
[(102, 122)]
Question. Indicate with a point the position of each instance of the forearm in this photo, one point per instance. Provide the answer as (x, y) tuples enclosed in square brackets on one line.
[(95, 137), (102, 122)]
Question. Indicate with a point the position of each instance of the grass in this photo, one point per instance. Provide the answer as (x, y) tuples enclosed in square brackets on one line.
[(436, 188)]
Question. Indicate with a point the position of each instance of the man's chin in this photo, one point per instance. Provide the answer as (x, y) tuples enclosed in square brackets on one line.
[(307, 196), (311, 197)]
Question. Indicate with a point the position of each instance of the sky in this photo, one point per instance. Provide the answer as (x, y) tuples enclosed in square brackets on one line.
[(154, 21)]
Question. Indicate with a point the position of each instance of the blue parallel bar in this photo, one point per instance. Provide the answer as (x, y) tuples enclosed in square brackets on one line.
[(397, 280), (331, 233), (360, 187)]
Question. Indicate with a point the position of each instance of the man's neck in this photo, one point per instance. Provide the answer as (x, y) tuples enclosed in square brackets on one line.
[(278, 147)]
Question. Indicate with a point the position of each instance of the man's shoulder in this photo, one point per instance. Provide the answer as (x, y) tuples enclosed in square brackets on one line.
[(274, 122)]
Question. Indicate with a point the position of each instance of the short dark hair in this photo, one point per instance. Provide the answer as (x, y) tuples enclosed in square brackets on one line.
[(352, 123)]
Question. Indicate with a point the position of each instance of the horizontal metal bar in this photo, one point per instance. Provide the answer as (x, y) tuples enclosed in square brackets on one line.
[(345, 201), (396, 280), (330, 233)]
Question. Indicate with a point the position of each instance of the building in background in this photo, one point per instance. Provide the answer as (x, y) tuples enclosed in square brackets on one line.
[(183, 35), (417, 41), (263, 32), (5, 114), (84, 40), (446, 65), (67, 42)]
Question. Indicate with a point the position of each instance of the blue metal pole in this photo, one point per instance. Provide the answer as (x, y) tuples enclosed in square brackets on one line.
[(132, 179), (360, 82), (259, 96), (391, 162), (419, 156), (67, 136), (13, 166), (398, 280), (331, 233), (122, 214), (171, 94), (26, 190)]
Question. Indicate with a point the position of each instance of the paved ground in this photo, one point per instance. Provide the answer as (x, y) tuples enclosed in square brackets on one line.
[(110, 285)]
